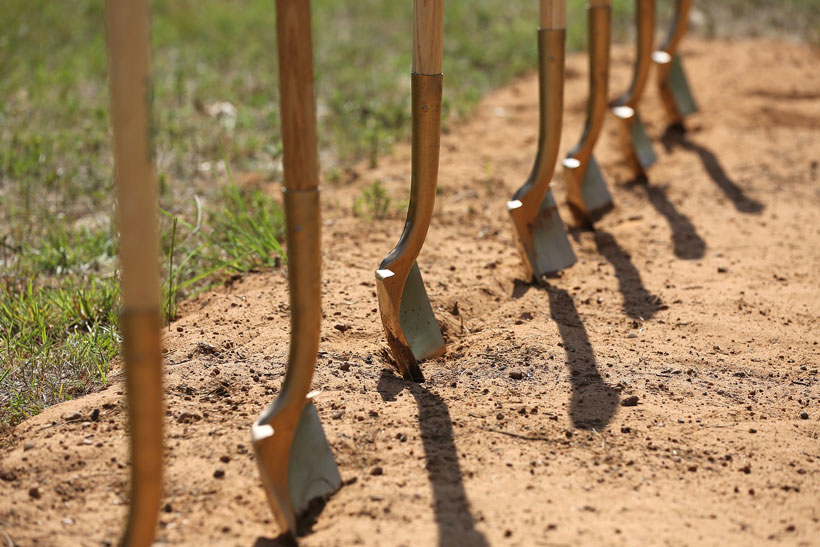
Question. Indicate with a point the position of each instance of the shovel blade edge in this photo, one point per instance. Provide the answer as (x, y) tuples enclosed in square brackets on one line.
[(295, 464), (595, 192), (417, 320), (679, 86), (641, 143), (552, 251), (312, 470)]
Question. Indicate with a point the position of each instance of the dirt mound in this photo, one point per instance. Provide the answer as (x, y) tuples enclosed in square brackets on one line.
[(653, 394)]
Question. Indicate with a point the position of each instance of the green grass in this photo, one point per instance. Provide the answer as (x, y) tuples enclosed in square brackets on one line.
[(215, 84)]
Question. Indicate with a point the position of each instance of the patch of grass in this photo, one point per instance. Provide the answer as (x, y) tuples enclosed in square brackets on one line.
[(373, 203), (216, 104)]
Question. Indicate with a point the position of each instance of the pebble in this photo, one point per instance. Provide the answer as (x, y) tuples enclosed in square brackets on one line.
[(8, 476), (632, 335), (73, 417), (376, 471), (34, 493), (27, 446), (632, 400), (722, 269), (516, 374), (219, 474), (804, 415)]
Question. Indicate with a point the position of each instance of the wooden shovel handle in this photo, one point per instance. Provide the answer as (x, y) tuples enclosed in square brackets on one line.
[(677, 27), (130, 83), (297, 95), (553, 14), (428, 36)]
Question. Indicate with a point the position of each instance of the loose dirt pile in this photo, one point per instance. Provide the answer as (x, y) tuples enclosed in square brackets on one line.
[(653, 394)]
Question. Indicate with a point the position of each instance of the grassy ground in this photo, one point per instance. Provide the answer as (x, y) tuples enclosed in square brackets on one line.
[(215, 106)]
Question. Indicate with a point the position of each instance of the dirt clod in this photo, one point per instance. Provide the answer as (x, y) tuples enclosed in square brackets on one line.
[(632, 400)]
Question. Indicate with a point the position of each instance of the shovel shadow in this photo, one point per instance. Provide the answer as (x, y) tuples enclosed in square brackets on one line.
[(456, 525), (686, 242), (638, 303), (675, 136), (594, 402)]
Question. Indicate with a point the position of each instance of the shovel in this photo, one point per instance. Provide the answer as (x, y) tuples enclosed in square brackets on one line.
[(636, 142), (675, 92), (295, 461), (129, 75), (587, 193), (410, 325), (540, 234)]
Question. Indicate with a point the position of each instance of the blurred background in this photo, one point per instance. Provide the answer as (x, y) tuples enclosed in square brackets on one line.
[(217, 145)]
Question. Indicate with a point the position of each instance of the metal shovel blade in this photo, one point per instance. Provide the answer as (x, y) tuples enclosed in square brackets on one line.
[(297, 467), (419, 336), (640, 142), (595, 196), (543, 243), (679, 86)]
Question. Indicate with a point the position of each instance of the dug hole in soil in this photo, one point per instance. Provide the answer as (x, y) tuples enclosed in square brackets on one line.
[(663, 390)]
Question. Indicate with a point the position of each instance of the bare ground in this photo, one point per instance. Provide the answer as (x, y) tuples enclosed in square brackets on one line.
[(699, 295)]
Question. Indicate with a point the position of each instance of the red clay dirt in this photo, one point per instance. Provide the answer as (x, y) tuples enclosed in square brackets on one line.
[(697, 300)]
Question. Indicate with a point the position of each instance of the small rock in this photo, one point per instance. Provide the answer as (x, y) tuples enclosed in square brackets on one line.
[(752, 430), (632, 335), (402, 437), (722, 269), (804, 415), (8, 476), (516, 374), (73, 417), (341, 327), (95, 415), (219, 474), (746, 469), (692, 468), (336, 415), (167, 508), (344, 367), (34, 493), (225, 459), (632, 400), (68, 522), (27, 446), (499, 416), (626, 429), (376, 471)]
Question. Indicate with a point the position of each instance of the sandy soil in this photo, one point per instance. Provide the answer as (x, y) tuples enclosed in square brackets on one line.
[(699, 295)]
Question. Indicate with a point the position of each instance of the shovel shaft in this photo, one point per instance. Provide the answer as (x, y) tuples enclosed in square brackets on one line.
[(553, 14), (296, 94), (551, 105), (426, 107), (127, 32), (645, 23), (428, 36), (677, 27), (301, 197), (599, 37)]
